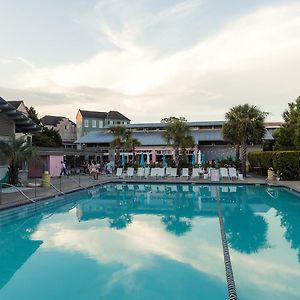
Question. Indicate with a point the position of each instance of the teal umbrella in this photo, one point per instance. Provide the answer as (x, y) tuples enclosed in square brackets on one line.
[(164, 160), (123, 159), (193, 159), (142, 160), (203, 158)]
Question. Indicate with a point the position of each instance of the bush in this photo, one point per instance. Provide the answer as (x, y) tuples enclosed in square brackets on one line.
[(285, 163)]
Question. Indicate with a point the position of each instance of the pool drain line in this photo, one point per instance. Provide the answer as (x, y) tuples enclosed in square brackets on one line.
[(228, 268)]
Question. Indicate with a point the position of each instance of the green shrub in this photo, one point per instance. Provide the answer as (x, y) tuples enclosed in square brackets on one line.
[(286, 163), (254, 159), (266, 161)]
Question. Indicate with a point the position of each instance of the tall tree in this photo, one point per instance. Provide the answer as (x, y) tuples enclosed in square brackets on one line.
[(131, 143), (119, 135), (287, 137), (244, 124), (178, 134), (32, 114), (47, 138), (16, 151)]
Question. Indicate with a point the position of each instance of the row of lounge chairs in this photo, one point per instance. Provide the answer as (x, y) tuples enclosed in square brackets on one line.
[(222, 173)]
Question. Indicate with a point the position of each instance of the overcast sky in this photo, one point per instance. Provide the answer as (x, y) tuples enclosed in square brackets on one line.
[(150, 59)]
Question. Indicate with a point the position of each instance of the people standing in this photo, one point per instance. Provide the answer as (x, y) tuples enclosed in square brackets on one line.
[(63, 169)]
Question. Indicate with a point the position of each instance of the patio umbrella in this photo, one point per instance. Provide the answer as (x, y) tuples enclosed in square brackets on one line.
[(199, 157), (123, 159), (193, 159), (203, 158), (164, 160), (142, 161)]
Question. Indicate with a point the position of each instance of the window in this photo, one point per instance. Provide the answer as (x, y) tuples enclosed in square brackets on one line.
[(86, 123), (108, 122), (94, 123), (100, 124)]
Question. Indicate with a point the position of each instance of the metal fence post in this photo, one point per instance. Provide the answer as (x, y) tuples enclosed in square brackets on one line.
[(34, 187), (79, 180), (60, 183)]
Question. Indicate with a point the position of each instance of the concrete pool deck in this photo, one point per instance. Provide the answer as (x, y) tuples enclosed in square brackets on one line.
[(75, 183)]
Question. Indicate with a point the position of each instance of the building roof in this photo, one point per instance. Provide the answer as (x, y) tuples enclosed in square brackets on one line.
[(149, 138), (103, 115), (162, 125), (53, 120), (15, 104), (116, 116), (22, 122)]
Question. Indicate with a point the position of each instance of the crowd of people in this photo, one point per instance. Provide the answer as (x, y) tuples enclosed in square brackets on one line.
[(96, 168)]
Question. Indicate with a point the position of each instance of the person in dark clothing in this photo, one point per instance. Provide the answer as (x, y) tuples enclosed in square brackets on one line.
[(63, 169)]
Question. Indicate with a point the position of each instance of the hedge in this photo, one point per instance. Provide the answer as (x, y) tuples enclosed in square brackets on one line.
[(285, 163)]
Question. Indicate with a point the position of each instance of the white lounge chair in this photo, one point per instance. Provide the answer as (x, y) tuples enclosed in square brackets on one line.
[(119, 172), (195, 173), (224, 173), (147, 172), (168, 171), (232, 173), (140, 172), (173, 172), (130, 172), (153, 172), (160, 172), (185, 172)]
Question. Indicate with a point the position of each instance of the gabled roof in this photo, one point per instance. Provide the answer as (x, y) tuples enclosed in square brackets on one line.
[(15, 104), (93, 114), (116, 116), (103, 115), (53, 120), (22, 122)]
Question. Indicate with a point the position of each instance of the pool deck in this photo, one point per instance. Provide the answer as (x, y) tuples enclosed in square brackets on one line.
[(75, 183)]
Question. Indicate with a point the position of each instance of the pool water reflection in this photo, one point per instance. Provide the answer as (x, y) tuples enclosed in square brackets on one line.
[(153, 242)]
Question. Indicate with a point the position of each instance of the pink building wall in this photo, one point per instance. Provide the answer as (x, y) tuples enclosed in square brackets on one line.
[(55, 165), (50, 163)]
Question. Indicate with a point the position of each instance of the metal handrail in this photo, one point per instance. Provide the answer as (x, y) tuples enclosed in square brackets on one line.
[(77, 183), (19, 190), (53, 186)]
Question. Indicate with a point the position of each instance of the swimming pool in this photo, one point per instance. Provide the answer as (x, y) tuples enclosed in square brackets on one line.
[(152, 241)]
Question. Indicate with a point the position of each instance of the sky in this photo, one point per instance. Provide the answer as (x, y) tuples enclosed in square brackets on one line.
[(150, 59)]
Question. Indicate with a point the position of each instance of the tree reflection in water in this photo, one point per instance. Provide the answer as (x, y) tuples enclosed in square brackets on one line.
[(179, 222), (246, 232)]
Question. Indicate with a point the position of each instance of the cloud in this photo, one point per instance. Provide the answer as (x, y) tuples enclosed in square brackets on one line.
[(253, 58)]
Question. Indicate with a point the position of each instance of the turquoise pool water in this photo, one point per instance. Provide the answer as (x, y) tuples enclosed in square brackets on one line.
[(152, 242)]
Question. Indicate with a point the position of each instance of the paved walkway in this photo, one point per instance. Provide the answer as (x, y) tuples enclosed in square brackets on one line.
[(76, 182)]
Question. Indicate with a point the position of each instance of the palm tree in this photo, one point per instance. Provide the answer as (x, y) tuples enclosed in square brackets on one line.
[(178, 134), (119, 135), (244, 125), (16, 151), (131, 143)]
